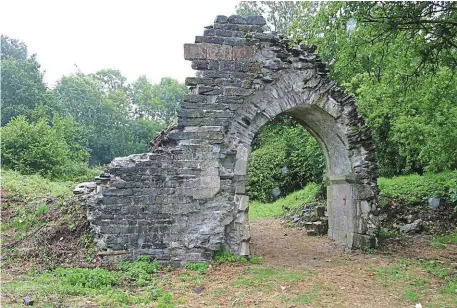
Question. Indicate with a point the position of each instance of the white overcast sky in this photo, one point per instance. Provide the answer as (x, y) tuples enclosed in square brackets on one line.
[(136, 37)]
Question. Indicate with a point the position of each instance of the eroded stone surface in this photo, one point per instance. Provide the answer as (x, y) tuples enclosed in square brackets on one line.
[(186, 198)]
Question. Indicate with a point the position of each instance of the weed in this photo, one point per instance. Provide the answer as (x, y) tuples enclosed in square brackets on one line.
[(436, 269), (154, 292), (229, 257), (255, 260), (268, 276), (419, 282), (224, 257), (184, 277), (41, 209), (97, 278), (304, 299), (200, 267), (140, 271), (369, 250), (10, 254), (143, 207), (388, 233), (447, 239), (437, 245), (415, 188), (411, 296)]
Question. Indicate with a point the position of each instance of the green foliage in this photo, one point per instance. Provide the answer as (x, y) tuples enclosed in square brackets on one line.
[(33, 187), (278, 14), (142, 271), (22, 85), (269, 277), (97, 278), (200, 267), (446, 239), (285, 159), (370, 251), (411, 296), (222, 257), (290, 202), (49, 150), (159, 102), (415, 188), (388, 233), (405, 91), (103, 285)]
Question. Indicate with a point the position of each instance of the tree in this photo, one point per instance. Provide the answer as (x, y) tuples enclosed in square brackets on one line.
[(102, 116), (394, 56), (278, 14), (171, 94), (159, 102), (39, 147), (22, 86)]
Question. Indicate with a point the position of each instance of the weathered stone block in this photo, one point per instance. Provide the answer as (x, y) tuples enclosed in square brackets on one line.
[(218, 52), (209, 39), (235, 91), (243, 52), (194, 51)]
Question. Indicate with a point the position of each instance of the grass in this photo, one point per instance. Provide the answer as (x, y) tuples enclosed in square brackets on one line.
[(439, 242), (416, 280), (201, 267), (276, 209), (413, 189), (268, 277), (133, 283), (222, 257), (31, 187), (447, 239), (416, 188), (35, 186)]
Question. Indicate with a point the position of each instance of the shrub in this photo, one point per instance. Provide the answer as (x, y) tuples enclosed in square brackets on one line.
[(39, 147), (140, 271), (97, 278), (285, 158), (200, 267), (415, 188)]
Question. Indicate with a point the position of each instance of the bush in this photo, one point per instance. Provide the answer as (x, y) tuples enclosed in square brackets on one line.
[(97, 278), (285, 159), (415, 188), (142, 271), (49, 150)]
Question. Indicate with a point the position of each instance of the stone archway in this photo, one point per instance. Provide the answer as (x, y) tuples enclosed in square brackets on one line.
[(186, 199)]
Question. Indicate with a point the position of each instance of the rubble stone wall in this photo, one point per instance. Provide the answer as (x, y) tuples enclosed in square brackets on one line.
[(186, 198)]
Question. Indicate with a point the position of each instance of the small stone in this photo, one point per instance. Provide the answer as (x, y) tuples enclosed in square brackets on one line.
[(415, 226), (256, 20), (434, 203), (28, 301), (236, 19), (199, 290), (320, 210), (221, 19)]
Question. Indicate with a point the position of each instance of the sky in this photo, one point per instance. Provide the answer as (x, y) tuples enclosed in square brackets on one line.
[(136, 37)]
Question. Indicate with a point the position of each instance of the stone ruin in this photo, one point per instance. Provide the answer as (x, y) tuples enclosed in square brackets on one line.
[(186, 198)]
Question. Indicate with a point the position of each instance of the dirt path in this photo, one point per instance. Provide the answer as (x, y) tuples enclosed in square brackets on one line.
[(291, 247), (348, 275)]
